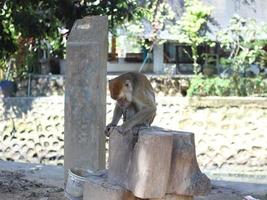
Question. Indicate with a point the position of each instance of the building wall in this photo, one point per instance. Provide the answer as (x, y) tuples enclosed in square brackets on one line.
[(230, 133), (128, 67), (223, 10)]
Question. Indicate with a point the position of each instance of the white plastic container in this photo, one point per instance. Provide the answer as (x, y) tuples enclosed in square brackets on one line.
[(75, 183)]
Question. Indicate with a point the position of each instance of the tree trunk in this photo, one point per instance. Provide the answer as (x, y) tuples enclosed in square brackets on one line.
[(196, 66), (113, 48)]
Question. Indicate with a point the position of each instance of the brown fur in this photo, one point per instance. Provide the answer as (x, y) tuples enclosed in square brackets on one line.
[(115, 87), (136, 103)]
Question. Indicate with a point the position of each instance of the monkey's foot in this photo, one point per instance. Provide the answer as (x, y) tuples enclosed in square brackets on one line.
[(136, 129), (120, 130)]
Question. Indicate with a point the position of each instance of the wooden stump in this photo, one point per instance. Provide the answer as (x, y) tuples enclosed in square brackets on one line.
[(150, 164), (121, 148), (156, 163), (142, 166), (185, 176)]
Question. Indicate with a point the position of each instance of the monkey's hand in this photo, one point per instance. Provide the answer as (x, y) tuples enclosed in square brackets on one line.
[(109, 129), (121, 130)]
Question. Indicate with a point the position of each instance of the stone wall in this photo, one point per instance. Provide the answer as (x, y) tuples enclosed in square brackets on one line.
[(47, 85), (41, 85), (32, 130), (230, 133)]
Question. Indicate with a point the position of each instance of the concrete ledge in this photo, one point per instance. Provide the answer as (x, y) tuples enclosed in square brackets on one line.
[(99, 188), (215, 102)]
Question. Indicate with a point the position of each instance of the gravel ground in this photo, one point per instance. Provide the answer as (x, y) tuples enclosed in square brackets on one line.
[(16, 186)]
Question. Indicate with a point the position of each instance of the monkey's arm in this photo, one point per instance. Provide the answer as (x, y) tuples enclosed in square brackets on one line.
[(117, 113), (144, 116)]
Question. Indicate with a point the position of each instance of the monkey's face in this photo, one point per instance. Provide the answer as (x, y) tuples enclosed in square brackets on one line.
[(121, 91), (123, 103)]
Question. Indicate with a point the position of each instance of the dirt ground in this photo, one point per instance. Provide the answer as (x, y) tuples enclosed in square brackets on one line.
[(222, 193), (16, 186)]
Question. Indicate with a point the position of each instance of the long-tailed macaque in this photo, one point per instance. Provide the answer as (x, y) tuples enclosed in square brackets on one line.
[(135, 101)]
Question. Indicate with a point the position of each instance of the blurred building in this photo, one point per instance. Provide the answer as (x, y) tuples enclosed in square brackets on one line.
[(177, 57)]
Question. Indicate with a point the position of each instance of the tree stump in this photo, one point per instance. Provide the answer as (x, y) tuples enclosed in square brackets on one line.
[(155, 163), (185, 176), (121, 149), (141, 164), (150, 164)]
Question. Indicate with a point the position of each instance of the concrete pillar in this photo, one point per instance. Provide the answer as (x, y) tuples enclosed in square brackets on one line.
[(158, 65), (85, 94)]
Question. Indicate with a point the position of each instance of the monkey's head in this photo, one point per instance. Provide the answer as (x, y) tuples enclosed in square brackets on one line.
[(121, 90)]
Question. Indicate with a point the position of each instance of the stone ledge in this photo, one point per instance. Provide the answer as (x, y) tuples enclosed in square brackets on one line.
[(259, 102), (98, 188)]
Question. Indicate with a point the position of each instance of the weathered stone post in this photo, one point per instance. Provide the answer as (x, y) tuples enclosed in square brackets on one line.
[(85, 94)]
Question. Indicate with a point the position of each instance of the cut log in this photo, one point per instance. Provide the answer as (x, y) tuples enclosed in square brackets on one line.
[(142, 166), (155, 163), (151, 161), (121, 148), (185, 176), (98, 188)]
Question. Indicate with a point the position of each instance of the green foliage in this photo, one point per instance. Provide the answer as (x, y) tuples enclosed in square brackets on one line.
[(216, 86), (192, 28), (201, 86), (27, 25), (149, 22), (118, 12), (243, 38), (35, 18), (7, 33), (193, 23)]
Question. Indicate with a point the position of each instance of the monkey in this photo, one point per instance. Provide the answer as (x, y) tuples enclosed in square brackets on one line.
[(135, 101)]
